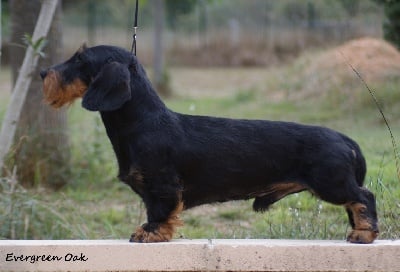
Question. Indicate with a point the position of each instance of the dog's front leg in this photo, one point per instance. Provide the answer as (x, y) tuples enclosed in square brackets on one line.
[(163, 218)]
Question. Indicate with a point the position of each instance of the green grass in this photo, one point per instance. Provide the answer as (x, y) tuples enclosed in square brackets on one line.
[(95, 205)]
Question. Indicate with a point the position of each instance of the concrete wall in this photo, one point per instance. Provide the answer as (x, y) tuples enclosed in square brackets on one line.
[(198, 255)]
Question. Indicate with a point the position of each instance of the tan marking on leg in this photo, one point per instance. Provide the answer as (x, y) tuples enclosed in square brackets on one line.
[(363, 232), (165, 231), (283, 189), (362, 236)]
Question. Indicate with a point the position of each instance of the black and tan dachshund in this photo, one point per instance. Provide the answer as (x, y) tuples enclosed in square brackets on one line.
[(175, 161)]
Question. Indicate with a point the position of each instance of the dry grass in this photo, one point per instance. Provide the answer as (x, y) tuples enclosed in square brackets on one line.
[(376, 60), (218, 48)]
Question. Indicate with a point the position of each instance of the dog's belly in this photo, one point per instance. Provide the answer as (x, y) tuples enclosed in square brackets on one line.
[(213, 179), (238, 187), (270, 193)]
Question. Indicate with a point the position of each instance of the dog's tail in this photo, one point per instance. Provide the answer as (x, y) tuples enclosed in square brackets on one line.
[(360, 166)]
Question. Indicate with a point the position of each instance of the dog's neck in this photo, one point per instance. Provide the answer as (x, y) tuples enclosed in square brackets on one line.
[(144, 106), (144, 98)]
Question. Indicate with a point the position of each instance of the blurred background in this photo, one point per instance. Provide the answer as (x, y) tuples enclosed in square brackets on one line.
[(209, 32), (260, 59)]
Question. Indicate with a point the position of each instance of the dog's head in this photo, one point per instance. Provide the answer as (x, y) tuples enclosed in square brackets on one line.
[(100, 74)]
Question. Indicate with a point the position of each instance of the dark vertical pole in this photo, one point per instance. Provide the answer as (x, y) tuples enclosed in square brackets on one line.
[(91, 22), (158, 62)]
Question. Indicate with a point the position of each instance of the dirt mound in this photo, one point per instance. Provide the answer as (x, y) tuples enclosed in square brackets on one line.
[(376, 61)]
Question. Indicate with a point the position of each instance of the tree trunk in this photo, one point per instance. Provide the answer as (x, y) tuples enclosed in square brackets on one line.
[(41, 152), (160, 77), (1, 25)]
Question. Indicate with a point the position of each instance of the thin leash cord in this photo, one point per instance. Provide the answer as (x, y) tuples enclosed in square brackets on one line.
[(378, 105), (135, 25)]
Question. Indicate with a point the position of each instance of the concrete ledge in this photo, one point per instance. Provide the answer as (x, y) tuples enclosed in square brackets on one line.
[(198, 255)]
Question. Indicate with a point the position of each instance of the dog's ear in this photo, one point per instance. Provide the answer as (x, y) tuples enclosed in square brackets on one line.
[(109, 90)]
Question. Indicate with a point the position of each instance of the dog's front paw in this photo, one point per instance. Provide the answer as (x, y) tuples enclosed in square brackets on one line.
[(149, 233), (362, 236)]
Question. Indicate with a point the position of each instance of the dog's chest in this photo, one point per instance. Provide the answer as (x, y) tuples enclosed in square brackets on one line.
[(134, 179)]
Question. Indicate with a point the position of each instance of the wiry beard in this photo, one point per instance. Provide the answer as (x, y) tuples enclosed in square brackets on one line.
[(57, 95)]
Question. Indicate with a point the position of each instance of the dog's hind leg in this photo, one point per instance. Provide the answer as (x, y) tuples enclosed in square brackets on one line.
[(363, 218), (360, 206)]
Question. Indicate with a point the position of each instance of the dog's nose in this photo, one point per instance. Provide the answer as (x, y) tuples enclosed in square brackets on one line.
[(43, 73)]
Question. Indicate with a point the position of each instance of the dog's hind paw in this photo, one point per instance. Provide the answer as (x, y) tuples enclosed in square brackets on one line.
[(362, 236)]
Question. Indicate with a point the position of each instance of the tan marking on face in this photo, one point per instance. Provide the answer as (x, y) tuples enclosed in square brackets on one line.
[(57, 95)]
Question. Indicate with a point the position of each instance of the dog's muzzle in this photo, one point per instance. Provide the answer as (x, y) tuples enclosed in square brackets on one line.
[(57, 94)]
